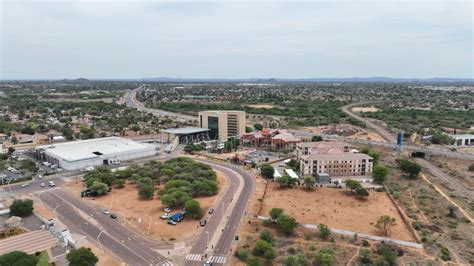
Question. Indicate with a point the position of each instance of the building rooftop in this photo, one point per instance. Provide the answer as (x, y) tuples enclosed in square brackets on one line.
[(336, 157), (184, 130), (462, 136), (93, 148)]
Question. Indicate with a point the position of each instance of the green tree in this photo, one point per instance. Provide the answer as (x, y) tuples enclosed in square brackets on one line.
[(380, 174), (193, 209), (294, 164), (18, 258), (264, 249), (309, 182), (362, 192), (258, 126), (324, 231), (388, 256), (99, 188), (286, 224), (267, 236), (324, 257), (146, 191), (411, 169), (286, 181), (267, 170), (316, 138), (21, 207), (365, 256), (81, 257), (275, 212), (120, 183), (385, 222), (28, 165), (353, 185), (254, 261), (248, 130), (242, 254)]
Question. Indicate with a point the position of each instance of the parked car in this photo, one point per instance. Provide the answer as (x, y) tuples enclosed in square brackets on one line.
[(42, 185), (25, 185), (40, 176), (113, 216), (211, 210), (167, 209), (177, 217), (172, 222), (165, 216), (106, 211), (51, 184), (203, 222), (208, 263)]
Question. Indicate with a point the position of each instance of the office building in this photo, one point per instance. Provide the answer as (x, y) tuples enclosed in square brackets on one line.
[(223, 124)]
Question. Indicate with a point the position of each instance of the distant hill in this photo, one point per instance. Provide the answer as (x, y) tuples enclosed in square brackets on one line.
[(315, 80)]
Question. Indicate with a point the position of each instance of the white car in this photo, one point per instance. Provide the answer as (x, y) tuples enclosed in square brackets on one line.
[(164, 216), (167, 210), (40, 176), (42, 185), (106, 212), (25, 185)]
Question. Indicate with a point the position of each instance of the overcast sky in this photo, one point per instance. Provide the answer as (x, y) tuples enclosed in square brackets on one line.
[(238, 39)]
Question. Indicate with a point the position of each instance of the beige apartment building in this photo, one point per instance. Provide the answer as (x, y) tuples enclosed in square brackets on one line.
[(223, 124), (335, 159)]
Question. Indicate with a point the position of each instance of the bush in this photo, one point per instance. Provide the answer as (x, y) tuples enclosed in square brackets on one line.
[(365, 256), (324, 231), (267, 236), (254, 261), (380, 174), (120, 183), (267, 171), (324, 257), (21, 207), (275, 212), (261, 247), (286, 224), (445, 254), (471, 168), (242, 254), (411, 169), (81, 257)]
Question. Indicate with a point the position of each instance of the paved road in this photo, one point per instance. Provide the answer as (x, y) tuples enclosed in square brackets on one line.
[(219, 251), (131, 101)]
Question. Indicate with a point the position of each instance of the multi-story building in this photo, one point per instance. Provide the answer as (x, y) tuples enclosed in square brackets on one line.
[(223, 124), (335, 159)]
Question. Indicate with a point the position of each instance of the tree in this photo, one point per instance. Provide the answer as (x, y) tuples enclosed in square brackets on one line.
[(385, 222), (264, 249), (324, 231), (120, 183), (380, 174), (294, 164), (267, 170), (21, 207), (353, 185), (411, 169), (452, 210), (28, 165), (18, 258), (309, 182), (242, 254), (275, 213), (248, 129), (193, 209), (81, 257), (258, 126), (362, 192), (286, 224), (299, 260), (267, 236), (365, 256), (389, 257), (11, 150), (254, 261), (146, 191), (316, 138), (325, 257), (286, 181), (99, 188)]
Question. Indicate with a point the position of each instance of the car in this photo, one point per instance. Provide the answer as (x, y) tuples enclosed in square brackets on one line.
[(113, 216), (40, 176), (106, 211), (42, 185), (167, 210), (25, 185), (203, 222), (164, 216), (211, 210), (208, 263), (172, 222), (51, 184)]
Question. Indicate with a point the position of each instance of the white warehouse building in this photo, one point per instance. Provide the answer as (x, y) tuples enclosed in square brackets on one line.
[(78, 155)]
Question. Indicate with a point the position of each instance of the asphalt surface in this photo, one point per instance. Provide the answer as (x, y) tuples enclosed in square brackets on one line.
[(221, 249), (131, 101)]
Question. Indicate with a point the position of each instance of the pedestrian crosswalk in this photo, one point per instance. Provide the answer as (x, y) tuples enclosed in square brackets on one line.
[(218, 259), (214, 258), (194, 257), (165, 263)]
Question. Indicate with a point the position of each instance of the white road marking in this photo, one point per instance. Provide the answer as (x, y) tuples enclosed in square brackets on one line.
[(165, 263), (218, 259), (194, 257)]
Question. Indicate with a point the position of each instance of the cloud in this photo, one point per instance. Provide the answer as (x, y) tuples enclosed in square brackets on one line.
[(113, 39)]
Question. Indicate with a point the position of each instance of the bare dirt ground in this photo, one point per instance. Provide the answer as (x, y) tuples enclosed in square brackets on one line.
[(466, 149), (357, 132), (138, 212), (104, 259), (336, 208), (262, 106), (370, 109)]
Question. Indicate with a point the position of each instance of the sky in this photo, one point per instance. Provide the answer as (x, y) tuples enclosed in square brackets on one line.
[(236, 39)]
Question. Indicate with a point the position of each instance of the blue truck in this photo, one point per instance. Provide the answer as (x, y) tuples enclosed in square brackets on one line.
[(177, 217)]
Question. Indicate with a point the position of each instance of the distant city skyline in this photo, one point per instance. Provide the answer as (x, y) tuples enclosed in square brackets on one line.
[(236, 39)]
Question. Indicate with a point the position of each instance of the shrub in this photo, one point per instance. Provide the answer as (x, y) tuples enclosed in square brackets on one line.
[(324, 231), (267, 236), (286, 224), (275, 212), (242, 254), (120, 183), (21, 207)]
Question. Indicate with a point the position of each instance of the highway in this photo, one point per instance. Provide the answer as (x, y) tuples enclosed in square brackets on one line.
[(131, 101)]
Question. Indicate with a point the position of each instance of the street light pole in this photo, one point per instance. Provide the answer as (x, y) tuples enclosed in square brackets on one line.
[(98, 240)]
